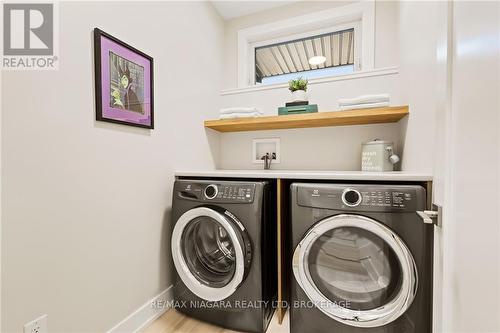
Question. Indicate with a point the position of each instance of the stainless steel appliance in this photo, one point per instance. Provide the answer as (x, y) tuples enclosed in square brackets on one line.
[(362, 259), (224, 250)]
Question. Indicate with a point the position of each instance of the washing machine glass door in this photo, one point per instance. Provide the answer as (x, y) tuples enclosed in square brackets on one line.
[(210, 252), (356, 270)]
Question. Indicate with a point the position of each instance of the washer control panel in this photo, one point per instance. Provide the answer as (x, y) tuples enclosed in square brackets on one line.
[(361, 197), (396, 199), (237, 192), (217, 192)]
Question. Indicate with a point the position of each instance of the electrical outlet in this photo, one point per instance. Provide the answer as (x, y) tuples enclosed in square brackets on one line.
[(39, 325)]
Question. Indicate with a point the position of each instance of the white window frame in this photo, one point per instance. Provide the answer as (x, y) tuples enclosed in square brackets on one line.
[(360, 16)]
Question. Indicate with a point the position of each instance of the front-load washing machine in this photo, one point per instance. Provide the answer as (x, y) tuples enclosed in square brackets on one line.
[(224, 250), (362, 259)]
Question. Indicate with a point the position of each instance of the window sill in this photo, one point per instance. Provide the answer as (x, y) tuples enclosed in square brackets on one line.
[(357, 75)]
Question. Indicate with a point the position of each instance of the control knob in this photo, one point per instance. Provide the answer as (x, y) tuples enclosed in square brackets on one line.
[(351, 197), (211, 191)]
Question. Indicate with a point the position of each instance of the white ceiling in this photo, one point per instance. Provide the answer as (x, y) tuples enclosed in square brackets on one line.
[(232, 9)]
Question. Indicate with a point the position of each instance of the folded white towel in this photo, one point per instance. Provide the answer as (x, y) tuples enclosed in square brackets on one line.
[(363, 106), (365, 99), (239, 110), (240, 115)]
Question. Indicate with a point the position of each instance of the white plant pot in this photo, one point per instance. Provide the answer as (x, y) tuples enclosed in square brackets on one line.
[(299, 95)]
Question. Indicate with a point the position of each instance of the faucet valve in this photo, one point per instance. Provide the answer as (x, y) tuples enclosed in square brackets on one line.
[(268, 158)]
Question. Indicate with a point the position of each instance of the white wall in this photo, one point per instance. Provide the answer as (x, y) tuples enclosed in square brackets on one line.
[(1, 186), (86, 204), (401, 40), (386, 28), (442, 86), (466, 178), (418, 64), (329, 148), (471, 279)]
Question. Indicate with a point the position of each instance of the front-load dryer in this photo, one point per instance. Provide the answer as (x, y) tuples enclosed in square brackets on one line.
[(223, 247), (362, 259)]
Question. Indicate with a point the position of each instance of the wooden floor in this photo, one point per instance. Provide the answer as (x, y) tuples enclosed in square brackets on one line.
[(175, 322)]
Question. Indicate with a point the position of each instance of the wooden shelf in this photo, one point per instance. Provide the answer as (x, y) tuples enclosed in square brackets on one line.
[(319, 119)]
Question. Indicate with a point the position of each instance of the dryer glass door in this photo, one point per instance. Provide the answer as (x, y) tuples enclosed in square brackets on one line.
[(210, 252), (356, 270)]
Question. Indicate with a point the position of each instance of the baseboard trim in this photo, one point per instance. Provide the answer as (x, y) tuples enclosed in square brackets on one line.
[(145, 314)]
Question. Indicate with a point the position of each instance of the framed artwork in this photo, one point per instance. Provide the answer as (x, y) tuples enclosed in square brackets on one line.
[(123, 82)]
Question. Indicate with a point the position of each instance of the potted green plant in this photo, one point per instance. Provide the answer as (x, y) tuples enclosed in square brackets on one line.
[(298, 87)]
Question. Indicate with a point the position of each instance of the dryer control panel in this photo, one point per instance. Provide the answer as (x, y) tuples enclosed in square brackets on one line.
[(361, 197), (218, 192), (236, 192)]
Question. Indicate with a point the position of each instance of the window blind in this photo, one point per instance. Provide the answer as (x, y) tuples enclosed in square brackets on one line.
[(293, 56)]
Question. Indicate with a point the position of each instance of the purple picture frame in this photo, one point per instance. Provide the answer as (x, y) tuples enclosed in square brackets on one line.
[(123, 82)]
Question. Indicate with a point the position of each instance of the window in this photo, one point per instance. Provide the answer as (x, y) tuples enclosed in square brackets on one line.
[(281, 50), (312, 57)]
